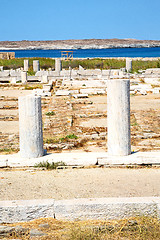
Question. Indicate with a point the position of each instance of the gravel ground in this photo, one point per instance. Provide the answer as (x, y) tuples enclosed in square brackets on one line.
[(79, 183)]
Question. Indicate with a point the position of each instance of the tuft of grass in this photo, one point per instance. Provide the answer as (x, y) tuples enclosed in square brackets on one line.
[(51, 140), (141, 80), (30, 71), (51, 113), (48, 165), (8, 150), (70, 136), (33, 86)]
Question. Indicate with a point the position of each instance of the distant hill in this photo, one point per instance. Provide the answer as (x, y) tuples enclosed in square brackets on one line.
[(79, 44)]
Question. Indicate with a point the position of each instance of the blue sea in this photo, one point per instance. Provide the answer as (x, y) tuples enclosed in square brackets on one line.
[(90, 53)]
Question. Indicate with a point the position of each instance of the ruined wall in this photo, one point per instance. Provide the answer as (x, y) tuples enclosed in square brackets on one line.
[(7, 55)]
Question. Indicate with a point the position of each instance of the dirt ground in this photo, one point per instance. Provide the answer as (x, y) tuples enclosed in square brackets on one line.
[(79, 183)]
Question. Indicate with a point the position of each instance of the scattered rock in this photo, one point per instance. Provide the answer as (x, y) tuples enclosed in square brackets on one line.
[(6, 231), (35, 232), (44, 225)]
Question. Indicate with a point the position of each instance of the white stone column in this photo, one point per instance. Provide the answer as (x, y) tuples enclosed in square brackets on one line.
[(118, 116), (26, 65), (36, 66), (128, 64), (30, 127), (58, 65), (24, 77)]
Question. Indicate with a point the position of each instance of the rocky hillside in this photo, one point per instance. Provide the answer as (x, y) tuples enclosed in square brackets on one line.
[(78, 44)]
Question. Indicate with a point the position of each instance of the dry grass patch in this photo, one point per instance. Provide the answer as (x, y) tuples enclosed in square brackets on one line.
[(133, 228)]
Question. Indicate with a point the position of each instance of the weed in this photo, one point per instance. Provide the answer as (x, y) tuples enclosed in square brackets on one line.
[(48, 165), (30, 71), (50, 140), (51, 113), (70, 136), (141, 80), (31, 87), (8, 150)]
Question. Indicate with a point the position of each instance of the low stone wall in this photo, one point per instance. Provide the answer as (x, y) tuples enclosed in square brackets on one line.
[(82, 209)]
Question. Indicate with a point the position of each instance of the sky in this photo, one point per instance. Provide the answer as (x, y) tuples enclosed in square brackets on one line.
[(79, 19)]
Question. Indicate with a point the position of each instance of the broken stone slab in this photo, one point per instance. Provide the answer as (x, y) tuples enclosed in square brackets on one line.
[(152, 80), (92, 91), (155, 90), (5, 73), (81, 68), (143, 92), (88, 83), (47, 87), (62, 93), (3, 163), (41, 92), (74, 91), (81, 95)]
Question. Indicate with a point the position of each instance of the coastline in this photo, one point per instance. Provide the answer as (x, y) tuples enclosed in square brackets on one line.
[(78, 44)]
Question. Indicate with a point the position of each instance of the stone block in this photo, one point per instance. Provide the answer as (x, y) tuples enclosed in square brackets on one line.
[(62, 93), (25, 210), (92, 91), (13, 80), (155, 90), (82, 95), (44, 79), (24, 77)]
